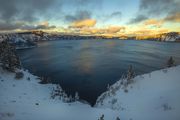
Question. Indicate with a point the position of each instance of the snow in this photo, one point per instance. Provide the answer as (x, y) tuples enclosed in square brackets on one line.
[(25, 99), (153, 96)]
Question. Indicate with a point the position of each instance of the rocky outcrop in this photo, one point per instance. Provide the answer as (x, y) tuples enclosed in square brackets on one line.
[(170, 37)]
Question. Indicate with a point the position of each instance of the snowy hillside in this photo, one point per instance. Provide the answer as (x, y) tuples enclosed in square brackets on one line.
[(23, 40), (153, 96), (26, 99), (170, 37)]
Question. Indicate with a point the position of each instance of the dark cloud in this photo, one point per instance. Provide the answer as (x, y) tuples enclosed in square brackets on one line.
[(173, 17), (44, 27), (33, 11), (14, 12), (9, 26), (137, 19), (5, 26), (23, 9), (156, 8), (116, 14), (159, 7), (79, 15)]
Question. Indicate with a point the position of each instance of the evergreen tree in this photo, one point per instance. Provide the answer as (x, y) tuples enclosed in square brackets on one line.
[(8, 57), (170, 62), (71, 99), (130, 74), (76, 96)]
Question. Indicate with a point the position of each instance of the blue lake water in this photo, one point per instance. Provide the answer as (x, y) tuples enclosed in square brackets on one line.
[(88, 66)]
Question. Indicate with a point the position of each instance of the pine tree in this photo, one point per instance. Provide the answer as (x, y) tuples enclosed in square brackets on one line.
[(130, 74), (76, 96), (170, 62), (8, 57), (70, 99)]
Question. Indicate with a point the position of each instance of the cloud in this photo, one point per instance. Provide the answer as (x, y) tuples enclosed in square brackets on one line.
[(157, 8), (79, 15), (154, 22), (32, 11), (23, 10), (138, 19), (173, 17), (5, 26), (112, 30), (40, 26), (115, 29), (116, 14), (21, 14), (83, 23)]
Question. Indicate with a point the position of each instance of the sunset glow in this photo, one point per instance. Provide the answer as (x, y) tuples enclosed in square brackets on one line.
[(117, 18)]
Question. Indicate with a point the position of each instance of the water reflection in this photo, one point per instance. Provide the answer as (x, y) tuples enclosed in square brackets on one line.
[(87, 66), (85, 59)]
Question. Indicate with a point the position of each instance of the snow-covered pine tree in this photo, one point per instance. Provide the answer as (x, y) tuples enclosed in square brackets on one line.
[(57, 92), (8, 57), (76, 96), (170, 62), (130, 74)]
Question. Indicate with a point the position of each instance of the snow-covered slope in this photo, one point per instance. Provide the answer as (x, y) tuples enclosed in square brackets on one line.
[(26, 99), (153, 96), (170, 37)]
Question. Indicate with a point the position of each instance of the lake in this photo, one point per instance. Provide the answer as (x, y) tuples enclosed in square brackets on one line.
[(88, 66)]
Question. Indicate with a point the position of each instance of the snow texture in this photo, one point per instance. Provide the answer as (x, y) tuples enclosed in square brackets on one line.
[(153, 96)]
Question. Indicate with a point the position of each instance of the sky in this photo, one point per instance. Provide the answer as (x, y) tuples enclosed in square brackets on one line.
[(91, 17)]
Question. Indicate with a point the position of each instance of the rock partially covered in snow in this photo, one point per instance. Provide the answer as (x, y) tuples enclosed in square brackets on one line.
[(170, 37)]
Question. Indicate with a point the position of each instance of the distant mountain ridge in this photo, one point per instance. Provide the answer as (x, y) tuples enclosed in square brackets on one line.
[(29, 39)]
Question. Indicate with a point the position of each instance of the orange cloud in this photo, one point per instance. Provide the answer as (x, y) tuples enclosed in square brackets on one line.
[(115, 29), (83, 23), (154, 22), (99, 31), (174, 17), (44, 23)]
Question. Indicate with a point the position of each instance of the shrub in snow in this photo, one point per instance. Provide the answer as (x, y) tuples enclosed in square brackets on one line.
[(126, 90), (28, 78), (170, 62), (8, 57), (19, 75), (102, 117), (114, 100), (117, 118), (166, 107)]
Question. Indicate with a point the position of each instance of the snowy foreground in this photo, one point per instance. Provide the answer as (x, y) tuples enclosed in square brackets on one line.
[(153, 96)]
